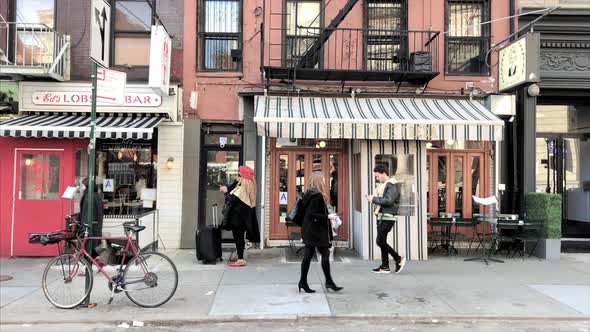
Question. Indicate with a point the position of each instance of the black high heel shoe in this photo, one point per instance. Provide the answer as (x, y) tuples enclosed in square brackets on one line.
[(333, 287), (305, 288)]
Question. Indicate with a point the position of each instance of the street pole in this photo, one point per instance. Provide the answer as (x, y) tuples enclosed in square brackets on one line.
[(90, 195)]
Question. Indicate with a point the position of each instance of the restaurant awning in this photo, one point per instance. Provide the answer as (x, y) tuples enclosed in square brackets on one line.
[(376, 118), (59, 125)]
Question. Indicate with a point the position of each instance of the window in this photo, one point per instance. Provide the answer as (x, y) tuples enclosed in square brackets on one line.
[(401, 168), (303, 21), (130, 167), (221, 36), (132, 31), (467, 39), (39, 177), (34, 29), (386, 21)]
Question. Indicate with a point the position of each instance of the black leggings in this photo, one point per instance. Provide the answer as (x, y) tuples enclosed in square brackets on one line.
[(383, 228), (308, 255), (240, 241)]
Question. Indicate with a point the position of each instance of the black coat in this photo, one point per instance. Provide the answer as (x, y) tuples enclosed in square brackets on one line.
[(239, 215), (97, 212), (316, 229)]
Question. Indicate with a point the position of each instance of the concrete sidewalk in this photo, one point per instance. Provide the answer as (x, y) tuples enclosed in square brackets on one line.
[(440, 288)]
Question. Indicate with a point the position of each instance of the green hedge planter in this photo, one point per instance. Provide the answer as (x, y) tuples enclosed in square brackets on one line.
[(546, 209)]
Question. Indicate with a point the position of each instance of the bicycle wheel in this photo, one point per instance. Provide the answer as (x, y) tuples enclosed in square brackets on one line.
[(64, 281), (150, 279)]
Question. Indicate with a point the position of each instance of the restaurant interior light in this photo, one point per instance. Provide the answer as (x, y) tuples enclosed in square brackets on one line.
[(170, 163), (322, 144), (28, 162)]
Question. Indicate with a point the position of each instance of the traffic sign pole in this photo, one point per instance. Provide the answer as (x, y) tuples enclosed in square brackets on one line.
[(91, 158)]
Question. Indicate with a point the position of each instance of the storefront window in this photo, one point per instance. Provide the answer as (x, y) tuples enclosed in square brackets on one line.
[(456, 145), (39, 177), (309, 143), (125, 174), (570, 119), (401, 168)]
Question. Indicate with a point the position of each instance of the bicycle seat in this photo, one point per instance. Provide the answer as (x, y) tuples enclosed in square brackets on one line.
[(135, 228)]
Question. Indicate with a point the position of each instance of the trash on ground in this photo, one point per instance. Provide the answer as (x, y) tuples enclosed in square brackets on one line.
[(209, 293), (123, 325), (137, 323)]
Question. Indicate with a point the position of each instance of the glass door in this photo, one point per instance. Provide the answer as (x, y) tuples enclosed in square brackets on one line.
[(220, 167)]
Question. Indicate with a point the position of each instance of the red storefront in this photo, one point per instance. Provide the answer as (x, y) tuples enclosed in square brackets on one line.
[(44, 151)]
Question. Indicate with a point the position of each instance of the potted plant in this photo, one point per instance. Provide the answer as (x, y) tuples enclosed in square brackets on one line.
[(545, 208)]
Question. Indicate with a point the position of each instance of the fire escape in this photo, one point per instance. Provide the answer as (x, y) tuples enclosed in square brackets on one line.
[(335, 53), (33, 50)]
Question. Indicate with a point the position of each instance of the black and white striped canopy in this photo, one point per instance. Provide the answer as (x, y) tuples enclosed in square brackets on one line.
[(376, 118), (59, 125)]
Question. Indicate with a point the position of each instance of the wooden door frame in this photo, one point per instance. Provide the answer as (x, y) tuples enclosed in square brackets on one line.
[(278, 231), (467, 156)]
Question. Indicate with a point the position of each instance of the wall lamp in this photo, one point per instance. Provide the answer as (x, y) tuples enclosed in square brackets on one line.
[(170, 163)]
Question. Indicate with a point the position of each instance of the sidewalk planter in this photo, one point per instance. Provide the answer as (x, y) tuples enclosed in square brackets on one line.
[(545, 208)]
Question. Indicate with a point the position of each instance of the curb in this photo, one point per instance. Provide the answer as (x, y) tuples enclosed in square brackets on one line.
[(296, 318)]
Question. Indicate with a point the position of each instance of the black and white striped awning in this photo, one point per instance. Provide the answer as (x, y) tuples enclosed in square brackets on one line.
[(376, 118), (60, 125)]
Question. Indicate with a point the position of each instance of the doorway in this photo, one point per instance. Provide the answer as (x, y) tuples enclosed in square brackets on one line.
[(221, 157), (290, 169), (454, 176), (38, 206), (559, 166)]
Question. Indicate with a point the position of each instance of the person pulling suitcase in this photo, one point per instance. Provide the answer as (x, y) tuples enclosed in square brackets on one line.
[(239, 213)]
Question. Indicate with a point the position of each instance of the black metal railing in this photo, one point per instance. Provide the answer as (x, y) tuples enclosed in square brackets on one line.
[(351, 49)]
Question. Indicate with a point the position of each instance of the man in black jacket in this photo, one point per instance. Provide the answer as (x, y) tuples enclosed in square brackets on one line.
[(386, 201)]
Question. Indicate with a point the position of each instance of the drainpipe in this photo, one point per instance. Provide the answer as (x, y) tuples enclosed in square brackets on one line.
[(512, 12)]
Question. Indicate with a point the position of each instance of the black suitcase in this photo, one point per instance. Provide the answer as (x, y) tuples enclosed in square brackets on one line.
[(208, 241)]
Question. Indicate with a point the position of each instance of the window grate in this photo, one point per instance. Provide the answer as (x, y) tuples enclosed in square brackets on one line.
[(386, 43), (221, 35), (467, 41)]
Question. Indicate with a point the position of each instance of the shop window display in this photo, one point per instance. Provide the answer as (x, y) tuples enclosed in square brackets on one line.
[(401, 168)]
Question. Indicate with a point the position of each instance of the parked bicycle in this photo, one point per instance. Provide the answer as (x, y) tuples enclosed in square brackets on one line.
[(149, 279)]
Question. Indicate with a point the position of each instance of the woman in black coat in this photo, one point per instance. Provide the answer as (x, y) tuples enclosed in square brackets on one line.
[(97, 212), (316, 231)]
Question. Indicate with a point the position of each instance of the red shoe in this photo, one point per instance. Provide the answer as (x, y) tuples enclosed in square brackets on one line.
[(238, 263)]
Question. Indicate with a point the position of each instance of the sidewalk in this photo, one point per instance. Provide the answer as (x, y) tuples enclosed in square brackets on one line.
[(441, 288)]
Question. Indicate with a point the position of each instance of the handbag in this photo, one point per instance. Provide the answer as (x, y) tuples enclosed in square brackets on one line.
[(295, 215)]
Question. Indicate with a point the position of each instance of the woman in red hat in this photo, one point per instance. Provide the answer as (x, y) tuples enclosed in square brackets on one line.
[(239, 214)]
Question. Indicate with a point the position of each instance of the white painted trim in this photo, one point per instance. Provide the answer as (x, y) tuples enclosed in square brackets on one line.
[(262, 191), (377, 121), (14, 192)]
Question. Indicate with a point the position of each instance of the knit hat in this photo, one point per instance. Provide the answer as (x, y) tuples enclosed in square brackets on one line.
[(246, 172)]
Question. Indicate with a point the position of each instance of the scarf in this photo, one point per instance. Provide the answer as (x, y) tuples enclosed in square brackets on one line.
[(379, 190), (243, 196)]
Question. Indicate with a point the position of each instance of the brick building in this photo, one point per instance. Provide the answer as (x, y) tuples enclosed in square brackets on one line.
[(45, 47)]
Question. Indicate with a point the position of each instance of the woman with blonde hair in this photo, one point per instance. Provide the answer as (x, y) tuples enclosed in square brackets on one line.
[(239, 213), (316, 230)]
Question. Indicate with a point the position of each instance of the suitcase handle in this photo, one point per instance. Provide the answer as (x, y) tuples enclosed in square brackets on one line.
[(214, 208)]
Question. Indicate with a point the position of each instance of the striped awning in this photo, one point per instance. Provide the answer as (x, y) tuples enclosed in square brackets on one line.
[(376, 118), (54, 125)]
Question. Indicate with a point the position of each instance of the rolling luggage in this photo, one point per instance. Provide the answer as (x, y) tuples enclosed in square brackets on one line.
[(208, 241)]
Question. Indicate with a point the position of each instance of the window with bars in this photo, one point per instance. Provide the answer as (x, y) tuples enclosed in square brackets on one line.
[(303, 20), (221, 35), (132, 32), (467, 39), (385, 35)]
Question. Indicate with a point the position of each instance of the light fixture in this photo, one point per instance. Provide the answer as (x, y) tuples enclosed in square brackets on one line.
[(429, 145), (450, 142), (170, 163), (317, 146), (28, 162), (322, 144), (533, 90)]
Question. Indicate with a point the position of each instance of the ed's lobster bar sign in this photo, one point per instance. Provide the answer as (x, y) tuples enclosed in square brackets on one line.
[(67, 98)]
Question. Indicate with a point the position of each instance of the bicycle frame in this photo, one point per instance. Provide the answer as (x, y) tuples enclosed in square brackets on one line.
[(81, 252)]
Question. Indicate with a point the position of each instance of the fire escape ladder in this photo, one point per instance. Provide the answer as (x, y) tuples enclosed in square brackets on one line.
[(311, 57)]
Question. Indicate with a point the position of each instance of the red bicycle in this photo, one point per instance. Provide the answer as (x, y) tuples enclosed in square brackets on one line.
[(149, 279)]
